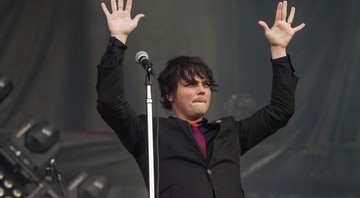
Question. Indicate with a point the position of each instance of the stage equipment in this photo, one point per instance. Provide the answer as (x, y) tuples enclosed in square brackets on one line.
[(87, 185), (21, 159), (37, 142), (17, 179), (5, 87)]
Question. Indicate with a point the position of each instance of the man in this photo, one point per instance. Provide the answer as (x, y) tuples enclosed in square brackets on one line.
[(197, 158)]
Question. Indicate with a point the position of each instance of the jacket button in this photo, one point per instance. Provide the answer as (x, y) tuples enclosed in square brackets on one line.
[(209, 171)]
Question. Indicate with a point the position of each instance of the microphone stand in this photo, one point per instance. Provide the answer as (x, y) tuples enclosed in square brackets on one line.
[(53, 168), (150, 133)]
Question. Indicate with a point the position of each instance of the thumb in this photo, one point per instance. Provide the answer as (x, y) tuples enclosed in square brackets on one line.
[(264, 25), (138, 17)]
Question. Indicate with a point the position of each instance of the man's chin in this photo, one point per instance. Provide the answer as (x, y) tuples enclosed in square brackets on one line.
[(201, 107), (200, 112)]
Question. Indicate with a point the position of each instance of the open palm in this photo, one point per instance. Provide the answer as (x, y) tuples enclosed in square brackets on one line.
[(119, 20), (281, 33)]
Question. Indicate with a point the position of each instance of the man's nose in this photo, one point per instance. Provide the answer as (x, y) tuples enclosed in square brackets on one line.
[(200, 89)]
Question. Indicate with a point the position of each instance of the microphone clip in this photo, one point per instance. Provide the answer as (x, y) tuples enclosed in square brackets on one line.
[(50, 170)]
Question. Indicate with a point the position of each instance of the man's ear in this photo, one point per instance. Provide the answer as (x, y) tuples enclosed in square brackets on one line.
[(170, 98)]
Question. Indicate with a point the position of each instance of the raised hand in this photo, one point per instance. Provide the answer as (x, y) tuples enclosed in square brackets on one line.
[(119, 20), (281, 33)]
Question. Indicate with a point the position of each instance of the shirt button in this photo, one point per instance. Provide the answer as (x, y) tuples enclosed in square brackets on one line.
[(209, 171)]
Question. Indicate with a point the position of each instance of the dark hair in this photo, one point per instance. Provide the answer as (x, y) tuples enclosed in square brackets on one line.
[(182, 68)]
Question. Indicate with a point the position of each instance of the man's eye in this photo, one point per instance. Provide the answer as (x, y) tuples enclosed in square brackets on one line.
[(190, 84), (206, 84)]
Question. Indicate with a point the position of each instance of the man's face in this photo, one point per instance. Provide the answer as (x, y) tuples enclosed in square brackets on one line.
[(192, 99)]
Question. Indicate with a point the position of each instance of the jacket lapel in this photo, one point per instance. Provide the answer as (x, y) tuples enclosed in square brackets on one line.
[(185, 128), (224, 128)]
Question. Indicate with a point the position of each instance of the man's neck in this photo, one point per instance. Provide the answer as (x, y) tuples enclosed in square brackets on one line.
[(191, 121), (195, 121)]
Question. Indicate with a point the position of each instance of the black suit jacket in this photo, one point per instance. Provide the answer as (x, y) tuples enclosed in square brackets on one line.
[(184, 172)]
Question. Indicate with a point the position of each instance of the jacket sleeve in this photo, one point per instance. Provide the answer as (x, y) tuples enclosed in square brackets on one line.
[(111, 102), (275, 115)]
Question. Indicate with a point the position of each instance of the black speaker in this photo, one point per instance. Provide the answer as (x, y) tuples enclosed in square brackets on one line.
[(41, 137), (37, 142)]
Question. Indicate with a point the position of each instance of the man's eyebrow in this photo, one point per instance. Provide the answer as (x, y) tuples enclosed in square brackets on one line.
[(189, 81)]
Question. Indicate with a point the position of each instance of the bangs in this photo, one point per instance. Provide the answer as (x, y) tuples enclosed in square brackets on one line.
[(188, 73)]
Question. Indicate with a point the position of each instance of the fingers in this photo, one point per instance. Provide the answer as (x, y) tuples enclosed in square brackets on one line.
[(281, 14), (138, 17), (128, 5), (104, 8), (121, 4), (117, 6), (113, 5), (278, 12), (299, 27), (284, 11), (291, 15), (264, 25)]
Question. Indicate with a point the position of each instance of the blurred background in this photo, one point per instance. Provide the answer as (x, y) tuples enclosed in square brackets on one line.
[(49, 51)]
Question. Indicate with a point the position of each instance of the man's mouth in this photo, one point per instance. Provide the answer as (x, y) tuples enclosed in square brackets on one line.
[(199, 101)]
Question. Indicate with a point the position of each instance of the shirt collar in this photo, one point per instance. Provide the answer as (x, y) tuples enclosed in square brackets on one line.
[(203, 122)]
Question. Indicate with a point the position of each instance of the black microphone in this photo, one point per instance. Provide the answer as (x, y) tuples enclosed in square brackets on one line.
[(143, 59)]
